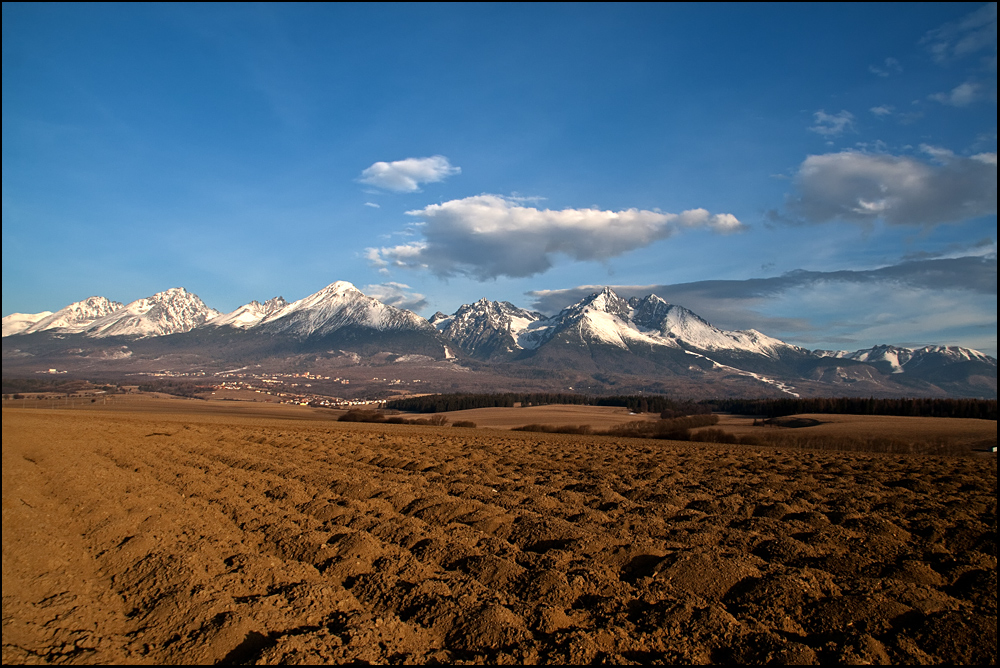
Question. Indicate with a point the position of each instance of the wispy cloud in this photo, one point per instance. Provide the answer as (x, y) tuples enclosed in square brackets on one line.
[(399, 295), (888, 67), (974, 32), (882, 110), (830, 125), (961, 95), (487, 236), (373, 205), (937, 301), (406, 176), (972, 273), (900, 190)]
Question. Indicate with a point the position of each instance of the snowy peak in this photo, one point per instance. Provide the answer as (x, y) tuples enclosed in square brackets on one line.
[(76, 317), (172, 311), (486, 328), (336, 306), (440, 320), (16, 323), (651, 311), (602, 318), (605, 301), (690, 329), (607, 318), (273, 305), (250, 314), (953, 354), (894, 356), (902, 360)]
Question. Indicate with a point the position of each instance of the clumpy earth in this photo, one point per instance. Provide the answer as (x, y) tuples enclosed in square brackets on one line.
[(169, 538)]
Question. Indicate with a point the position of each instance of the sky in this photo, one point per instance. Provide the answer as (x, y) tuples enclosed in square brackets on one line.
[(823, 173)]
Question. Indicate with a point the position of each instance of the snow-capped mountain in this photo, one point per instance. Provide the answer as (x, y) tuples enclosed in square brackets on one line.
[(602, 341), (249, 315), (172, 311), (76, 317), (679, 324), (486, 327), (951, 353), (893, 356), (602, 318), (337, 306), (17, 323), (896, 359)]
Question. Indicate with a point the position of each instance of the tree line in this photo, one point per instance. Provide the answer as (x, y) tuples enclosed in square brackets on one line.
[(983, 409), (440, 403), (61, 385), (179, 388)]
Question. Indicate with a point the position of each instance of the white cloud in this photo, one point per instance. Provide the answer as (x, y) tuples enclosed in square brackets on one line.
[(396, 294), (901, 190), (961, 95), (372, 205), (405, 176), (832, 124), (487, 236), (882, 110)]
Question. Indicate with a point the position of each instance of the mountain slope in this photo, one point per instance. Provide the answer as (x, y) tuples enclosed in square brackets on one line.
[(487, 329), (601, 343), (249, 315), (608, 337), (602, 318), (172, 311), (17, 323), (78, 316), (335, 307)]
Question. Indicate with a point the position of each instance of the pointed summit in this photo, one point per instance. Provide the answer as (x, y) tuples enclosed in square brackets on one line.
[(76, 317), (172, 311), (608, 301), (250, 314), (486, 329), (17, 323), (336, 306)]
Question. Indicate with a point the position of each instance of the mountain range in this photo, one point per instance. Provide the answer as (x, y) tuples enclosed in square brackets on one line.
[(603, 343)]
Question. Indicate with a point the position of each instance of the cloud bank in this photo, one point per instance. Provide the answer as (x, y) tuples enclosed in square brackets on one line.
[(487, 236), (901, 190), (406, 176)]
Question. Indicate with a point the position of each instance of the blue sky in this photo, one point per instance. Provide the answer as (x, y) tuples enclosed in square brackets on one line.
[(823, 173)]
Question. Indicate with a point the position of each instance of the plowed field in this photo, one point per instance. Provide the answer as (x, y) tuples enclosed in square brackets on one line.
[(169, 537)]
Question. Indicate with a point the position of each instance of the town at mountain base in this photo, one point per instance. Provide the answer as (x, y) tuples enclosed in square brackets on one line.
[(601, 344)]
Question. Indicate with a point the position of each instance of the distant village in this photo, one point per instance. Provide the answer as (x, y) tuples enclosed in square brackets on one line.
[(234, 385), (282, 387)]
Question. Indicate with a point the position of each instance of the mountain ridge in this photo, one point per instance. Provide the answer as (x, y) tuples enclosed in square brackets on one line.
[(603, 337)]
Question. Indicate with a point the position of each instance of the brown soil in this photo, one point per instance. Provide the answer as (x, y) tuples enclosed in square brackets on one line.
[(916, 428), (149, 537), (559, 415)]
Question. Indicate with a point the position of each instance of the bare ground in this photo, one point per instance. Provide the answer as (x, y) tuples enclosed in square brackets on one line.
[(169, 536)]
